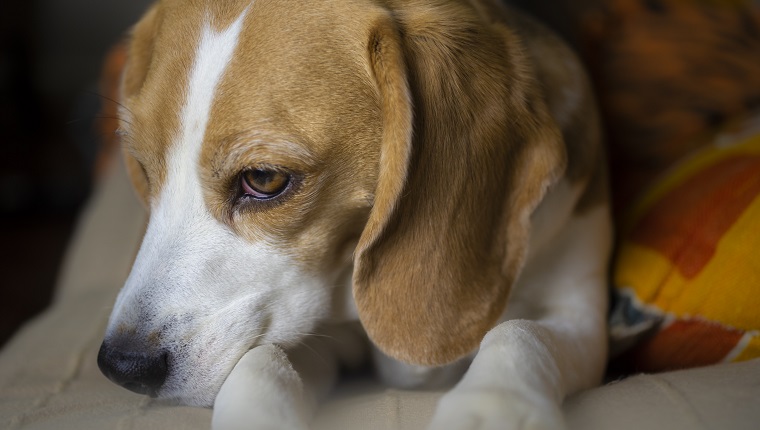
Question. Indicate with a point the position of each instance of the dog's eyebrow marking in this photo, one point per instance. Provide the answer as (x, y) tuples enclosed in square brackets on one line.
[(262, 146)]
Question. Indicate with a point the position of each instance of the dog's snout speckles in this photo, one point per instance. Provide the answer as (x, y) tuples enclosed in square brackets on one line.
[(154, 339)]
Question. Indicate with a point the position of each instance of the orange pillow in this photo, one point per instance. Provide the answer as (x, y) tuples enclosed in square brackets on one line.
[(687, 271)]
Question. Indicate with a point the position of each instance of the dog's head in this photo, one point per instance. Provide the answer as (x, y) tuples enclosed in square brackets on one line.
[(286, 150)]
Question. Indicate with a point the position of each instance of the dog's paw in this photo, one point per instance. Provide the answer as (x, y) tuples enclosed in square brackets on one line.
[(263, 391), (495, 410)]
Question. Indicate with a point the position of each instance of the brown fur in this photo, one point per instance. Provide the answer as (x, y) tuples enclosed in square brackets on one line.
[(416, 129)]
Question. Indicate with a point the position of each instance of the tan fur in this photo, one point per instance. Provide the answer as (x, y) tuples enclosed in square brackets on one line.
[(416, 131)]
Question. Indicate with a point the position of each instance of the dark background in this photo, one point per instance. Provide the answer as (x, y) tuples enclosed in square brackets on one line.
[(50, 57)]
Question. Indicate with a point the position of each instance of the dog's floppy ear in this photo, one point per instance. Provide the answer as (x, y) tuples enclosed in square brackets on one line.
[(139, 54), (468, 151)]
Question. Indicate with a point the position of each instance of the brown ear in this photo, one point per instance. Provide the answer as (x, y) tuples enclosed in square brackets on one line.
[(448, 231), (139, 54)]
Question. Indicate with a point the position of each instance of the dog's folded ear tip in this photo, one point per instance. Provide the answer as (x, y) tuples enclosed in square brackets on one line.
[(418, 326), (422, 347)]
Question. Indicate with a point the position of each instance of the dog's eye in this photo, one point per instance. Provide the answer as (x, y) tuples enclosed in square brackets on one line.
[(264, 184)]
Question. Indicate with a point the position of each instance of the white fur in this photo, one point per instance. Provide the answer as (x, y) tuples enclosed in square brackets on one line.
[(272, 389), (549, 217), (208, 293)]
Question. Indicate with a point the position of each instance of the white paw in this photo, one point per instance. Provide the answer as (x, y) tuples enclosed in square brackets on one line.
[(495, 410), (263, 391)]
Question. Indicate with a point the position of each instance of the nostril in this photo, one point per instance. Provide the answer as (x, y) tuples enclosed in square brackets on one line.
[(137, 371)]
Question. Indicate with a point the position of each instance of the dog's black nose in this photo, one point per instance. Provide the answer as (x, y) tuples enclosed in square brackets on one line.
[(140, 372)]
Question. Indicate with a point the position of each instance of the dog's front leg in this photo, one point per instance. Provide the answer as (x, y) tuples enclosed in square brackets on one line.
[(274, 389), (263, 391), (552, 344)]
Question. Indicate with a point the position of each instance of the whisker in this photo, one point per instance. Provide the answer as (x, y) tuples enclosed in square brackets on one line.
[(314, 351), (258, 336), (104, 135), (116, 102), (311, 334), (77, 120)]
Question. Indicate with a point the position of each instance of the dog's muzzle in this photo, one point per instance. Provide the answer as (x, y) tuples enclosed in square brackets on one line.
[(135, 370)]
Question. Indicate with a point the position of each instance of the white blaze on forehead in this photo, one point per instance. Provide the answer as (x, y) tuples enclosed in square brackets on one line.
[(182, 233), (213, 56)]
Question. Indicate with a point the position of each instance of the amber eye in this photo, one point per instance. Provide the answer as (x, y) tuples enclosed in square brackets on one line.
[(264, 184)]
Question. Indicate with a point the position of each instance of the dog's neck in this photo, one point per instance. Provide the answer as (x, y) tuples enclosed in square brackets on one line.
[(343, 306)]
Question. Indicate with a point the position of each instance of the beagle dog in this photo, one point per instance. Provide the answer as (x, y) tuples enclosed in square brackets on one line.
[(424, 174)]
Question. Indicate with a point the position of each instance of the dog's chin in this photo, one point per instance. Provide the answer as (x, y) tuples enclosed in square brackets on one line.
[(194, 388), (203, 398), (197, 373)]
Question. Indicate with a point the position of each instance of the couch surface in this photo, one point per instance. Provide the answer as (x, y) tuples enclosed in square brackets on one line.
[(49, 378)]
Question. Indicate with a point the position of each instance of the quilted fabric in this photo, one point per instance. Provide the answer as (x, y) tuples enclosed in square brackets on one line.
[(687, 272)]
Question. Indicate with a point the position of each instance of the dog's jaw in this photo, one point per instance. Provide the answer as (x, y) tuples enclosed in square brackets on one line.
[(197, 290)]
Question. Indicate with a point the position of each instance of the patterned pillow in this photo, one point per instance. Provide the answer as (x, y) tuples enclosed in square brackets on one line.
[(669, 72), (687, 270)]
